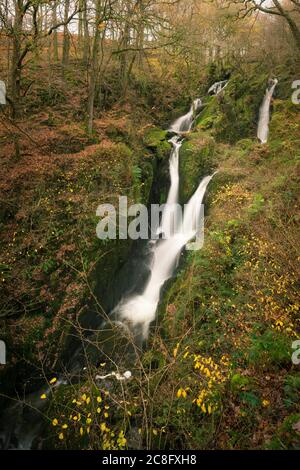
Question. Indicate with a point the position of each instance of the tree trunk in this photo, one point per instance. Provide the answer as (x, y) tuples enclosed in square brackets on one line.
[(292, 24), (94, 68), (15, 71), (86, 38), (124, 59), (54, 34), (141, 35), (294, 30), (66, 40), (80, 29)]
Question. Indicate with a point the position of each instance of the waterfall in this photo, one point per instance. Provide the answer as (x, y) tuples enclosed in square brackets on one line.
[(217, 87), (264, 113), (139, 311), (184, 123), (2, 93), (21, 423)]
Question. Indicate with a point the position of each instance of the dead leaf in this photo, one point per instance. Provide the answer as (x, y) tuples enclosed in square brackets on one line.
[(296, 427)]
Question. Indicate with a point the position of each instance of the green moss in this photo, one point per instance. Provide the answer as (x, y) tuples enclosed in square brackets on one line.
[(270, 350), (286, 436), (153, 136), (245, 144), (196, 161), (240, 106), (156, 140), (285, 124), (232, 115), (208, 116)]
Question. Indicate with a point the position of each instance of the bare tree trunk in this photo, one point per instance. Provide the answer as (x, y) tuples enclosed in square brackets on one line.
[(86, 37), (94, 68), (292, 24), (124, 43), (15, 70), (66, 40), (80, 23), (54, 34), (141, 34)]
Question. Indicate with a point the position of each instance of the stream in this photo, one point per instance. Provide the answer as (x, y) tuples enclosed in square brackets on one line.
[(122, 336), (264, 112)]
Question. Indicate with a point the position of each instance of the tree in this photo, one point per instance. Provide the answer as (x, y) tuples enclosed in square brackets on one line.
[(26, 31), (286, 10), (94, 63), (55, 38), (66, 40)]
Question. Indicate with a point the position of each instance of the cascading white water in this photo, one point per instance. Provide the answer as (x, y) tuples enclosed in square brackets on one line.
[(217, 87), (139, 311), (264, 113), (184, 123)]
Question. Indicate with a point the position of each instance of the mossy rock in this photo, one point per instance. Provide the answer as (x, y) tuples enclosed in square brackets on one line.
[(233, 114), (208, 115), (285, 122), (196, 161), (286, 73), (240, 107), (156, 140)]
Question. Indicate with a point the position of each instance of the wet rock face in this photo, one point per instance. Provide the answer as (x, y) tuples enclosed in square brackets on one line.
[(196, 161)]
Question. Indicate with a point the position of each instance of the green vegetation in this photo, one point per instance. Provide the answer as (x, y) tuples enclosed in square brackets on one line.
[(197, 159), (235, 302), (86, 122)]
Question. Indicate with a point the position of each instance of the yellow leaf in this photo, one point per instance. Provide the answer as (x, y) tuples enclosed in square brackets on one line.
[(176, 350), (52, 381), (61, 436), (43, 397), (54, 422)]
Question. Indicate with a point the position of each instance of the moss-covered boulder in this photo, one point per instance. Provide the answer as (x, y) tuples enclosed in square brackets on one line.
[(233, 114), (156, 140), (208, 116), (196, 161)]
